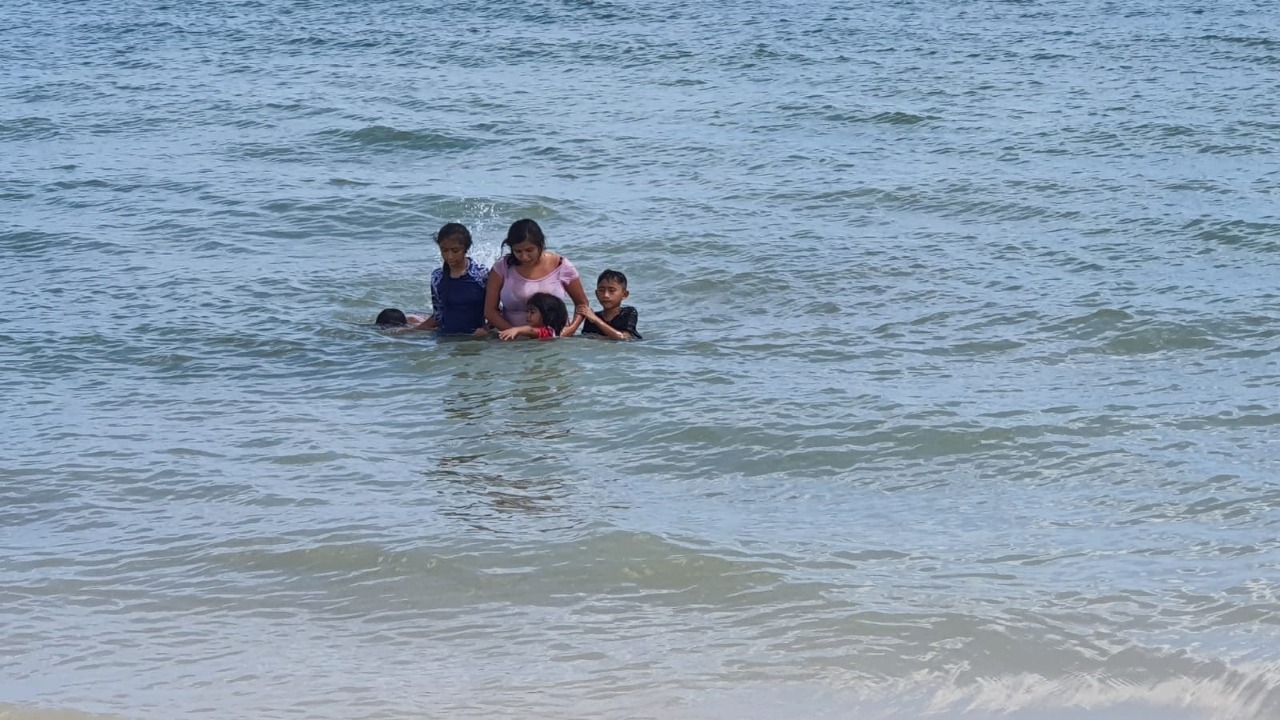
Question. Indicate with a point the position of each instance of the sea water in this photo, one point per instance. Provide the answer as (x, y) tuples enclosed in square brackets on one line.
[(959, 394)]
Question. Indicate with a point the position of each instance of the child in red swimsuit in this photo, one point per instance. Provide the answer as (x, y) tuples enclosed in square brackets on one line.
[(547, 318)]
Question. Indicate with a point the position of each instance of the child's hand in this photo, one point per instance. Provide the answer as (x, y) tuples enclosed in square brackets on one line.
[(508, 334)]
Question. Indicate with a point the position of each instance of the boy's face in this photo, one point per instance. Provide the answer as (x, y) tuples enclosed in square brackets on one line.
[(611, 294)]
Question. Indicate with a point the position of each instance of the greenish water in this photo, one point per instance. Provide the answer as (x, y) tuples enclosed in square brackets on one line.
[(958, 396)]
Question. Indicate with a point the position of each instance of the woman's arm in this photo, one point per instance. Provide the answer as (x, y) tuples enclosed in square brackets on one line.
[(492, 296), (580, 303)]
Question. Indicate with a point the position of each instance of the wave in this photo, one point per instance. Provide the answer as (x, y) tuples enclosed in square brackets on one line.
[(382, 136)]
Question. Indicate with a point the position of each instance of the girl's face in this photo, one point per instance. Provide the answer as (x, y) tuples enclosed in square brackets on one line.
[(535, 317), (526, 253), (454, 253)]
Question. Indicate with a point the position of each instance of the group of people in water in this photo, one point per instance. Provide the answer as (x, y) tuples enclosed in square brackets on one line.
[(521, 296)]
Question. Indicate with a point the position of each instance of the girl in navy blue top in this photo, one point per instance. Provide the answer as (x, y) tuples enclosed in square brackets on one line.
[(457, 287)]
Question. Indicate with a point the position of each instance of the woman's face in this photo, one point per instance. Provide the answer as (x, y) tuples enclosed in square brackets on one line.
[(526, 252)]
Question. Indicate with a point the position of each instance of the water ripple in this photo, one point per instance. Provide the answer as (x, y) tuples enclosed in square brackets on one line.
[(957, 396)]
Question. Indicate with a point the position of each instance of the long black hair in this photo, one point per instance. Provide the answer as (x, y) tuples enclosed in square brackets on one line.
[(554, 314)]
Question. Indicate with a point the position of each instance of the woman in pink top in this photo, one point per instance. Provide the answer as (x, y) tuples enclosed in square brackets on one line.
[(529, 268)]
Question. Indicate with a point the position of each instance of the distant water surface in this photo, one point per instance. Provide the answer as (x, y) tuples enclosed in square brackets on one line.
[(958, 397)]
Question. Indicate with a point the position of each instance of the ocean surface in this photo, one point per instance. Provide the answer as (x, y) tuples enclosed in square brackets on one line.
[(959, 396)]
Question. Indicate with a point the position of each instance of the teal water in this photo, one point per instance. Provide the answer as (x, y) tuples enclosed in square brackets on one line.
[(958, 396)]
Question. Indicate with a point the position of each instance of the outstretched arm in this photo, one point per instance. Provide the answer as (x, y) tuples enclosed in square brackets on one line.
[(518, 331)]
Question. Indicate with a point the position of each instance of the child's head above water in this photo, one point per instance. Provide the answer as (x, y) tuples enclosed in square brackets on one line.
[(549, 310), (611, 289), (613, 276), (391, 317), (455, 231), (454, 241), (526, 241)]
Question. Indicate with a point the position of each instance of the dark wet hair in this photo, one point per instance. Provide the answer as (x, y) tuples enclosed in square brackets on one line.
[(391, 317), (455, 230), (554, 314), (613, 276), (525, 230)]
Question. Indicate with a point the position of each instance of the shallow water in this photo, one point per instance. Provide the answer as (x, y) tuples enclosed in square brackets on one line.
[(957, 397)]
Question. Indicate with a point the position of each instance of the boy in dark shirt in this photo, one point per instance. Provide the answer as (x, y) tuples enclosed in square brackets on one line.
[(614, 320)]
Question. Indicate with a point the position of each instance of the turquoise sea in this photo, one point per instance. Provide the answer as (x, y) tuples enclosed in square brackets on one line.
[(959, 396)]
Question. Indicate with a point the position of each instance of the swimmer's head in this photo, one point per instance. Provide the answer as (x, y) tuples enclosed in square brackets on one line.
[(526, 242), (613, 276), (455, 231), (454, 240), (391, 317), (611, 289)]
